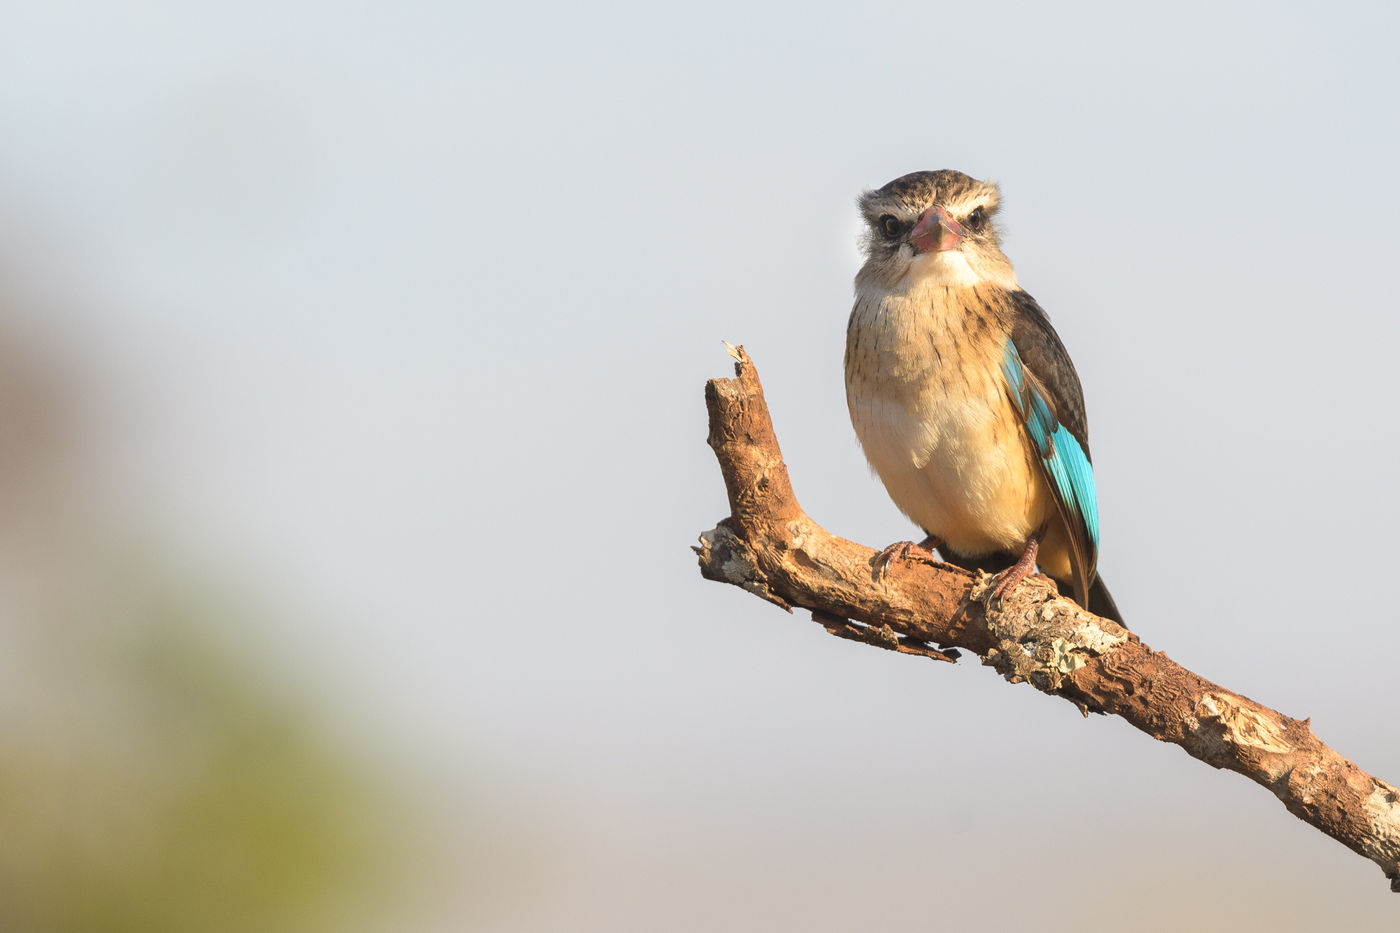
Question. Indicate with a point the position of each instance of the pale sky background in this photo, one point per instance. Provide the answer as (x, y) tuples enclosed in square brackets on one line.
[(398, 318)]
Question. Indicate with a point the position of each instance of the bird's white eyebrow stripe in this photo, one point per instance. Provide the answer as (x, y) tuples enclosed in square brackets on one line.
[(873, 207)]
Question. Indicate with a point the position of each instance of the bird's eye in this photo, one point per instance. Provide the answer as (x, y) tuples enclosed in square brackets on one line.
[(891, 225), (976, 218)]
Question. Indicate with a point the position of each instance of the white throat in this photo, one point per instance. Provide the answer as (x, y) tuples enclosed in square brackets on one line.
[(947, 268)]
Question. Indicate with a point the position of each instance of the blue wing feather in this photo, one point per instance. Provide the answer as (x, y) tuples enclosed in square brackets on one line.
[(1065, 462)]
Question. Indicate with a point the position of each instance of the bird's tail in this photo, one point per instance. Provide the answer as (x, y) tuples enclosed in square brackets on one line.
[(1101, 602)]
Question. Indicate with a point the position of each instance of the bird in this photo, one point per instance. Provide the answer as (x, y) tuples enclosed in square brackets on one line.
[(963, 396)]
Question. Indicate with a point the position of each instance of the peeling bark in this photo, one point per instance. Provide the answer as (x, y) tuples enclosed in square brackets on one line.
[(773, 549)]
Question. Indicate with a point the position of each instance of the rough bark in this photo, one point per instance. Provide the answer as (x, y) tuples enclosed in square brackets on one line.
[(773, 549)]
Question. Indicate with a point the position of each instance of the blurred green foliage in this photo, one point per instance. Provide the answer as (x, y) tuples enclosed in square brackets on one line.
[(155, 780)]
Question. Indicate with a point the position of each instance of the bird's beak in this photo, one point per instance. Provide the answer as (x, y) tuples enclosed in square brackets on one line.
[(936, 231)]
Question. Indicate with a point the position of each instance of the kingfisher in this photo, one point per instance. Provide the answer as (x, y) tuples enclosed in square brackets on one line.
[(963, 396)]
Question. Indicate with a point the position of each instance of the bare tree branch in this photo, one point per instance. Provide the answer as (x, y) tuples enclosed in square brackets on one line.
[(771, 548)]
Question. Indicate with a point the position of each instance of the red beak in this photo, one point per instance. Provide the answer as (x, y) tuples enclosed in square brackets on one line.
[(936, 231)]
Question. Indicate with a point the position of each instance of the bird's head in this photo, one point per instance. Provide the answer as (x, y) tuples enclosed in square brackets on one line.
[(933, 228)]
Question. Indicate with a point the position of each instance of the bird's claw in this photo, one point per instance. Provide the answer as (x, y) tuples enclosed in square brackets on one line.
[(1006, 581), (901, 550), (1012, 576)]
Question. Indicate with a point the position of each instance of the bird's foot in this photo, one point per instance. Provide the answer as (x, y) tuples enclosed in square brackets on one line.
[(902, 549), (1011, 577)]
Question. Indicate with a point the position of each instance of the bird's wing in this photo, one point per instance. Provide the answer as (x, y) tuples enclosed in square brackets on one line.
[(1045, 391)]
